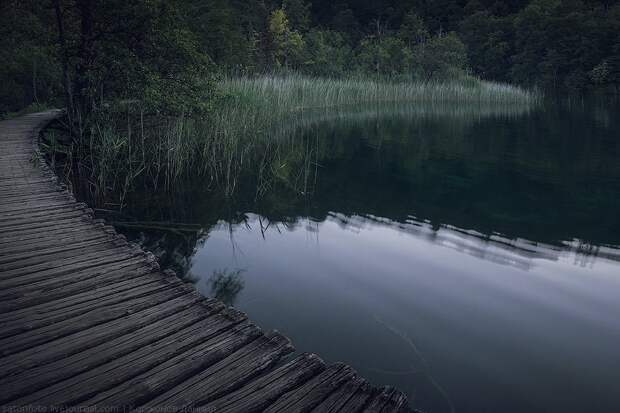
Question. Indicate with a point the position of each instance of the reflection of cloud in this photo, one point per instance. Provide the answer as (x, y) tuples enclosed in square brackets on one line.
[(226, 285)]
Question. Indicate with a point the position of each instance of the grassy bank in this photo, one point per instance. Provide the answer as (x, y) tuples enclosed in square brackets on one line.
[(296, 92), (251, 130)]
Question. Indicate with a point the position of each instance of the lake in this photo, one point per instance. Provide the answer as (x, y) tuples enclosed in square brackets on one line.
[(469, 256)]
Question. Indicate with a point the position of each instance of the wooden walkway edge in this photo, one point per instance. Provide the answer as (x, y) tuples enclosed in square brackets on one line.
[(88, 322)]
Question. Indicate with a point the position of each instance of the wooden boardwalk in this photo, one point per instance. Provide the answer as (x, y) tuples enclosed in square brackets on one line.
[(88, 322)]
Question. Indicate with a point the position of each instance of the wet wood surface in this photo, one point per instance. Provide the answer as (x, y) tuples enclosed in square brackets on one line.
[(88, 320)]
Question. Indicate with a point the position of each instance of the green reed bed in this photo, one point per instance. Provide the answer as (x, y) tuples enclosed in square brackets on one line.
[(251, 130), (295, 92)]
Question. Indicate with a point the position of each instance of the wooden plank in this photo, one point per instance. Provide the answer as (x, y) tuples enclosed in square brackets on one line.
[(89, 319), (19, 321), (37, 205), (10, 225), (72, 302), (388, 400), (37, 209), (176, 370), (46, 245), (29, 295), (85, 385), (74, 258), (350, 398), (55, 251), (260, 393), (46, 270), (42, 226), (227, 375), (48, 232), (49, 194), (37, 378), (61, 235), (93, 336), (308, 396)]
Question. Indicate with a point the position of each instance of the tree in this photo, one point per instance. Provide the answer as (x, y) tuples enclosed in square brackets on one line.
[(384, 56), (413, 31), (29, 72), (299, 14), (443, 56), (287, 44), (216, 24), (490, 44), (129, 50), (343, 20), (327, 53)]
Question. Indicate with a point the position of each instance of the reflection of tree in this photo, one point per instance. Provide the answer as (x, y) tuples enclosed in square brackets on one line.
[(447, 166), (225, 285)]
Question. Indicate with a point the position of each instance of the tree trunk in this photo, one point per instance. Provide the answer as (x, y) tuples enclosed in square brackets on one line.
[(66, 79), (35, 98), (85, 62)]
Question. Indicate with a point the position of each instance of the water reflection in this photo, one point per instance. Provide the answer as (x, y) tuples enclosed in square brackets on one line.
[(225, 285), (518, 253), (371, 291), (453, 252), (496, 248)]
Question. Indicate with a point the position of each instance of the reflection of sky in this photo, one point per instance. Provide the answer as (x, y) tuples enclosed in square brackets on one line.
[(354, 289)]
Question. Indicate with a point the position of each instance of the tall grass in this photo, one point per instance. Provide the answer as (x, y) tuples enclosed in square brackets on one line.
[(296, 92), (252, 130)]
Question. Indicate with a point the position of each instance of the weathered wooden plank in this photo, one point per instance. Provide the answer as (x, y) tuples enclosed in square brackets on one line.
[(42, 226), (309, 395), (35, 379), (13, 187), (35, 206), (29, 295), (66, 266), (60, 236), (49, 194), (8, 220), (41, 182), (32, 211), (56, 249), (48, 232), (106, 376), (349, 398), (176, 370), (93, 336), (37, 270), (10, 225), (227, 375), (44, 334), (53, 226), (260, 393), (19, 321), (59, 257), (388, 400), (68, 302), (21, 250)]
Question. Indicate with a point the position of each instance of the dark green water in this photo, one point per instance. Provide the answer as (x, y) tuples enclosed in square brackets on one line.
[(469, 256)]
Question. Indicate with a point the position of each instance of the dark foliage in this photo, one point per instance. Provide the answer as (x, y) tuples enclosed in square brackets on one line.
[(166, 53)]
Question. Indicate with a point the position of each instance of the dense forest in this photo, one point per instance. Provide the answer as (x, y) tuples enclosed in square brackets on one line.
[(571, 44), (166, 52)]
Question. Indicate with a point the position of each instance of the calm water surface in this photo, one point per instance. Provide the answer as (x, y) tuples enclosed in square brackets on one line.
[(468, 256)]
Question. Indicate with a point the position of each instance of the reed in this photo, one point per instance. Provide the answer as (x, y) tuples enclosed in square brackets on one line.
[(296, 92), (251, 130)]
